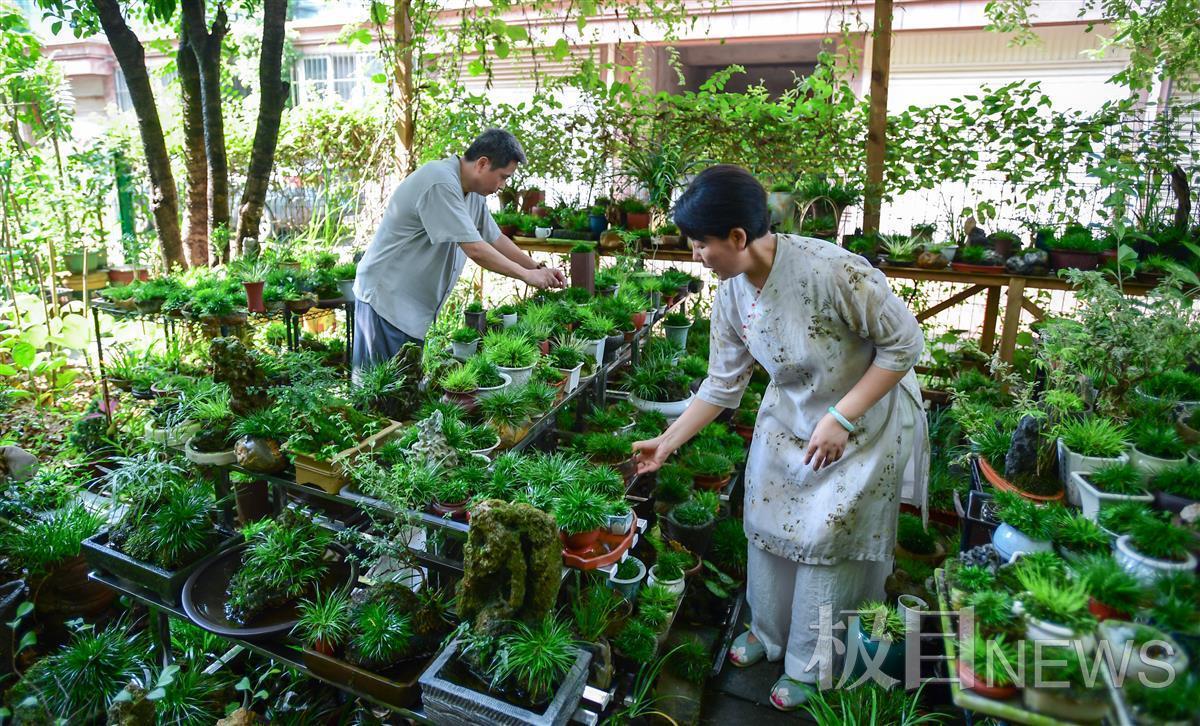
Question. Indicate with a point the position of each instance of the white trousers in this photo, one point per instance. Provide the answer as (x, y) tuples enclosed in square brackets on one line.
[(789, 600)]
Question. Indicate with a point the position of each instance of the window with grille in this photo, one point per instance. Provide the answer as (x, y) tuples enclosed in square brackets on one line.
[(344, 76)]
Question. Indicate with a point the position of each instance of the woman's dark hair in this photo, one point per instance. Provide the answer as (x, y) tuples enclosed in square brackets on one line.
[(499, 146), (720, 199)]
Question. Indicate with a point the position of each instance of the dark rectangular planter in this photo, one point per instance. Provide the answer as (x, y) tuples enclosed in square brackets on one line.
[(583, 271), (164, 583), (401, 693), (449, 704)]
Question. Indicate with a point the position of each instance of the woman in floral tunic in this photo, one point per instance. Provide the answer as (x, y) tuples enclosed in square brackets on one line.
[(841, 432)]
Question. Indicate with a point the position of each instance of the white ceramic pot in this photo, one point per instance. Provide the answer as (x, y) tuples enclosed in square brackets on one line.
[(1092, 500), (670, 409), (487, 453), (1167, 656), (910, 608), (948, 251), (1009, 540), (1066, 704), (219, 458), (675, 587), (485, 392), (628, 587), (519, 376), (463, 351), (597, 349), (1147, 569), (175, 437), (619, 524), (346, 287), (1150, 465), (542, 232), (508, 319), (572, 377), (1041, 630), (1069, 461)]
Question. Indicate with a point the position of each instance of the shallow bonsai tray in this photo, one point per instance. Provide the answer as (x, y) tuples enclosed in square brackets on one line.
[(329, 475), (400, 691), (204, 597), (970, 269), (610, 548), (164, 583)]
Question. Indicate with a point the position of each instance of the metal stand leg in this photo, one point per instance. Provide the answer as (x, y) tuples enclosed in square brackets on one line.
[(160, 636), (100, 367)]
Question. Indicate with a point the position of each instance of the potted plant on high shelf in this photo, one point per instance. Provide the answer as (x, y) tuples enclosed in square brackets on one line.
[(975, 258), (212, 444), (595, 331), (569, 361), (636, 213), (1004, 243), (899, 250), (345, 273), (1075, 249), (583, 266)]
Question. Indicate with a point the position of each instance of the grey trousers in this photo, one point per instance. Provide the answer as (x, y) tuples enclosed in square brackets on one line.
[(375, 339)]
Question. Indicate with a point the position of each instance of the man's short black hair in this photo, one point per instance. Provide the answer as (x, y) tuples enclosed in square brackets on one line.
[(499, 146), (720, 199)]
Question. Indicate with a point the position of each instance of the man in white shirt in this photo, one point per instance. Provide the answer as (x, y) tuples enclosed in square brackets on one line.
[(435, 220)]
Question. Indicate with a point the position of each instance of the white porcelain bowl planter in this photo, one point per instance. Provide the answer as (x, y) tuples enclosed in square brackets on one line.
[(1150, 465), (670, 409), (463, 351), (518, 376), (1148, 569), (482, 393), (1036, 629), (172, 436), (1165, 654), (1008, 541), (1069, 462), (1092, 500), (216, 458), (675, 587)]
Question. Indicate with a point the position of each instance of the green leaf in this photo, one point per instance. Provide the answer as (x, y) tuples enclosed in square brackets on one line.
[(502, 49), (156, 694), (361, 36), (379, 13), (124, 696), (379, 78), (560, 50), (24, 609), (7, 370), (716, 589), (476, 67), (23, 354), (27, 640), (516, 33), (242, 685)]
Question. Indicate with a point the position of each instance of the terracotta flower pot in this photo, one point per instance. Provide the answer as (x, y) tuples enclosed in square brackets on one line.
[(581, 541), (710, 483), (1104, 612), (970, 682), (1073, 259), (995, 479), (254, 296), (637, 220)]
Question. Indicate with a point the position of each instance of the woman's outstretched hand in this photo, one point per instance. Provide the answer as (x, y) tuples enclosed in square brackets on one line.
[(827, 444), (651, 455)]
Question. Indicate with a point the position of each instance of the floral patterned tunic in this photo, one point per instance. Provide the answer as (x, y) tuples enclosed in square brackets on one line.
[(821, 320)]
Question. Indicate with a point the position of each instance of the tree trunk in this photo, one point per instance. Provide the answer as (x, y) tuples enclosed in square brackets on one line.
[(881, 61), (163, 199), (405, 158), (207, 48), (196, 163), (1183, 197), (274, 96)]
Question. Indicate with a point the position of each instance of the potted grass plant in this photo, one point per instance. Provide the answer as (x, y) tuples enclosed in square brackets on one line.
[(988, 666), (626, 577), (691, 523), (580, 514), (1113, 593), (880, 628), (1083, 700), (710, 470), (1108, 485), (676, 326), (1024, 526), (1086, 444), (668, 571), (488, 377), (1155, 446), (1055, 608), (509, 411), (569, 361), (513, 353), (656, 384), (464, 342), (1171, 388), (460, 385), (1176, 487), (1154, 547), (1075, 535), (916, 542)]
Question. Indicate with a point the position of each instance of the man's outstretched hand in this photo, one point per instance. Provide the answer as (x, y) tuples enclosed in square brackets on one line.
[(545, 277)]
